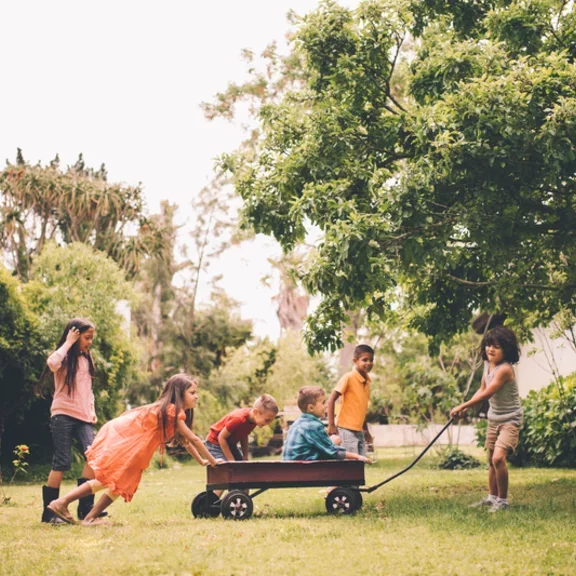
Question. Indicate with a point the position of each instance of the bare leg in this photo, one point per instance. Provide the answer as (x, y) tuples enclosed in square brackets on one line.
[(87, 472), (92, 517), (492, 485), (54, 479), (60, 506), (501, 471)]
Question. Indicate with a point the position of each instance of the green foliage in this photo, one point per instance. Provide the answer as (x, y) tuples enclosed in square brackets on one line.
[(548, 433), (410, 384), (458, 188), (454, 459), (21, 357)]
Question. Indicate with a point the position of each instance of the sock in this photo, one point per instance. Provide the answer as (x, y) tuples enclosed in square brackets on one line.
[(502, 500), (492, 497)]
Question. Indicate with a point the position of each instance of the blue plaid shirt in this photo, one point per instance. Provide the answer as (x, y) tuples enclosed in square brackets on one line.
[(307, 440)]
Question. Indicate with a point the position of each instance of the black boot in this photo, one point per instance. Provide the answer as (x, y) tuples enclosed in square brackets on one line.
[(87, 503), (49, 494)]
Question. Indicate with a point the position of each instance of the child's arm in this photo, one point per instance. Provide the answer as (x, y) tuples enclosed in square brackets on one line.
[(367, 434), (195, 442), (57, 357), (331, 421), (485, 392), (244, 446), (194, 453), (223, 441), (353, 456)]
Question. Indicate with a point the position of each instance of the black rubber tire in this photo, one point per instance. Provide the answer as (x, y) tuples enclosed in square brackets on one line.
[(342, 501), (203, 505), (359, 499), (237, 505)]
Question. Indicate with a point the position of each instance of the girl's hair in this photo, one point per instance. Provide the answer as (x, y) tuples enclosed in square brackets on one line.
[(505, 339), (173, 393), (70, 364)]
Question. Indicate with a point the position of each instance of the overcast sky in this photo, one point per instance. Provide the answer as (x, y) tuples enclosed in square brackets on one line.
[(122, 82)]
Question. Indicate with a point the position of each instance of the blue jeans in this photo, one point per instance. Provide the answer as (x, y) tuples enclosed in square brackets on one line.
[(216, 451), (63, 429)]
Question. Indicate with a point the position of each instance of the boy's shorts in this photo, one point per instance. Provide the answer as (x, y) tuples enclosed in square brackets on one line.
[(505, 436), (63, 429), (352, 441), (216, 451)]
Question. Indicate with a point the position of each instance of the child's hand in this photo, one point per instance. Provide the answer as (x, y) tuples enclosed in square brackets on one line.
[(368, 437), (72, 336), (458, 412), (332, 430), (204, 462), (365, 459)]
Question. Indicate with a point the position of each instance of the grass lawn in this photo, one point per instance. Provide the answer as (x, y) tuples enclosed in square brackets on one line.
[(419, 524)]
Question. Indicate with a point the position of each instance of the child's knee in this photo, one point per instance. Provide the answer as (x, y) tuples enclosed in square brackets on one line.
[(499, 460)]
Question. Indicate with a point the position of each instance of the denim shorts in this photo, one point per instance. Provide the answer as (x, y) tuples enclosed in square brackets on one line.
[(63, 429), (216, 451), (352, 441)]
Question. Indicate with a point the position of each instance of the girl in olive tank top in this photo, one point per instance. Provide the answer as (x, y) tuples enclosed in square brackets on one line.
[(499, 350)]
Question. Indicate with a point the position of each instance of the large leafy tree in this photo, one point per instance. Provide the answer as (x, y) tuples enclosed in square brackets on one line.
[(432, 145), (42, 203)]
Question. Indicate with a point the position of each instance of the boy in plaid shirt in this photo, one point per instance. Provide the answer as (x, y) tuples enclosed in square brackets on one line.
[(307, 439)]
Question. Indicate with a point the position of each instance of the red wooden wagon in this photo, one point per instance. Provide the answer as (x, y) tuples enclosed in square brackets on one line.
[(236, 477)]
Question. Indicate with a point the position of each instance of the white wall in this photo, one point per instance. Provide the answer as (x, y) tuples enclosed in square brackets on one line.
[(533, 371)]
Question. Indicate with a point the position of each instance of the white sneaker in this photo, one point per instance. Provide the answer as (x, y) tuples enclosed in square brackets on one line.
[(484, 502), (498, 506)]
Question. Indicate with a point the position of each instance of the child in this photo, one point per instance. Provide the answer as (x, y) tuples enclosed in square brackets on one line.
[(499, 350), (354, 391), (72, 411), (124, 447), (224, 436), (307, 439)]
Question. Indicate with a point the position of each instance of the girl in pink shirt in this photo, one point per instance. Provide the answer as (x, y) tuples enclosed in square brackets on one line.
[(72, 411)]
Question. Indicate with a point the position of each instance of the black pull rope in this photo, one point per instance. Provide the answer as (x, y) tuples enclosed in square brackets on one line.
[(376, 486)]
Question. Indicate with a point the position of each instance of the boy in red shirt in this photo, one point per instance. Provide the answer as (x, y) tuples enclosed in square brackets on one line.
[(224, 436)]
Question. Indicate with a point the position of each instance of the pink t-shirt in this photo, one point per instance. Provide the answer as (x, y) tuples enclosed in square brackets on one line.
[(80, 404)]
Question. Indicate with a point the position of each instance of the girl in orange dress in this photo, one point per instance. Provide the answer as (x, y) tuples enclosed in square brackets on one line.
[(124, 447)]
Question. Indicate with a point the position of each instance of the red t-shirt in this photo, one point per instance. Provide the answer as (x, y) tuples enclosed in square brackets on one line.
[(236, 422)]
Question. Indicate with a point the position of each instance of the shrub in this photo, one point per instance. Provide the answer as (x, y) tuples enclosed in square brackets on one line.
[(454, 459)]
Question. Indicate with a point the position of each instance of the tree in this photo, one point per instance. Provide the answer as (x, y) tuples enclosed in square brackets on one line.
[(43, 203), (447, 171), (21, 357)]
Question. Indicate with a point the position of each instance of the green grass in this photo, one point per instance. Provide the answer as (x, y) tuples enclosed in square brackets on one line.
[(418, 524)]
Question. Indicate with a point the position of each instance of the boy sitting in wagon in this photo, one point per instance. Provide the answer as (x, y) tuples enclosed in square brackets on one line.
[(307, 439)]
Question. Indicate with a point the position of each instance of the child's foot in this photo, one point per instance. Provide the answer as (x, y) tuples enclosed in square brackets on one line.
[(96, 522), (60, 509), (499, 506)]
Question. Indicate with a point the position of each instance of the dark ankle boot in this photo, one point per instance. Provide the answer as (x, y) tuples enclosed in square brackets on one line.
[(87, 503), (49, 494)]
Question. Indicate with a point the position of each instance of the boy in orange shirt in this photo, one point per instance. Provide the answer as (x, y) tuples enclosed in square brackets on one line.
[(354, 390)]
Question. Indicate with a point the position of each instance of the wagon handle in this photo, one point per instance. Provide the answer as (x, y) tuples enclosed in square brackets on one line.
[(376, 486)]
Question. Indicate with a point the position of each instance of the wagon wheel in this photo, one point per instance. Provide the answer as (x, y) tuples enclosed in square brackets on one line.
[(342, 501), (237, 505), (203, 506)]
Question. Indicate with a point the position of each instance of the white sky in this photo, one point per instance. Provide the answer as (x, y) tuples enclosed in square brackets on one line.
[(122, 82)]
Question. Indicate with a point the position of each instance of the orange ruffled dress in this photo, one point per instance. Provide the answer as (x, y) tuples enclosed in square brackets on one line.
[(123, 447)]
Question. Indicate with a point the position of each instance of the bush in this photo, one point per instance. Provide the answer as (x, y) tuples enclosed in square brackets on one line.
[(454, 459), (548, 434)]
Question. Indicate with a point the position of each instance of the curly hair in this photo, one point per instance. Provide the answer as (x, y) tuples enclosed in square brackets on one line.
[(505, 339)]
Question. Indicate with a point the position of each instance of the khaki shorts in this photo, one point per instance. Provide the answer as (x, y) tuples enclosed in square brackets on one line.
[(503, 436)]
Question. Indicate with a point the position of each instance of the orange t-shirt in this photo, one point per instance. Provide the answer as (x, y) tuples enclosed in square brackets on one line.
[(355, 396), (123, 447)]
